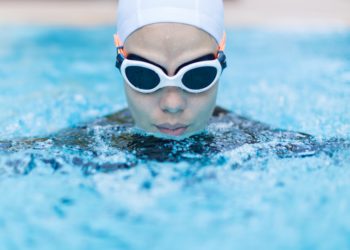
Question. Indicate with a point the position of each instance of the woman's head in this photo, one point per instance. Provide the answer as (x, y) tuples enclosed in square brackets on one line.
[(171, 47)]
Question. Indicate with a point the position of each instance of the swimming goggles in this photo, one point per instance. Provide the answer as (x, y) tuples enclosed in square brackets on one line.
[(147, 78)]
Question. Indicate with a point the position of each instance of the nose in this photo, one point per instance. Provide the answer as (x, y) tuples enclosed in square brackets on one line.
[(172, 100)]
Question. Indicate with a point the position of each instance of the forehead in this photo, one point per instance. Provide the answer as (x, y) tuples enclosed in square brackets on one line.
[(164, 41)]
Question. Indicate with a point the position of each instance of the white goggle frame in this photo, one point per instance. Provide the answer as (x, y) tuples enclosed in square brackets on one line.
[(171, 81)]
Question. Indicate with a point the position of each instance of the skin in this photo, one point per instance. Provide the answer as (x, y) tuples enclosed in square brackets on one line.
[(170, 45)]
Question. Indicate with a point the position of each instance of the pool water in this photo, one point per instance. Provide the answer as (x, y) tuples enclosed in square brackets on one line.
[(54, 78)]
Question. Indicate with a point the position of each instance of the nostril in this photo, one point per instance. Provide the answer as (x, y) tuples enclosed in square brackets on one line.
[(173, 110)]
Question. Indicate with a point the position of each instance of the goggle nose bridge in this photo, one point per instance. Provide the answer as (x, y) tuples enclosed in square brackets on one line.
[(172, 82)]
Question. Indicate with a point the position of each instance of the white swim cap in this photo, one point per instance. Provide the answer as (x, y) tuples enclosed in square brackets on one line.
[(207, 15)]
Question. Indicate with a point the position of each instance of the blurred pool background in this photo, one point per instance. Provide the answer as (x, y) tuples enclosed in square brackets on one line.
[(53, 77)]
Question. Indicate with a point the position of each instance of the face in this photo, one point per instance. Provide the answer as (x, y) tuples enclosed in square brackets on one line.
[(171, 111)]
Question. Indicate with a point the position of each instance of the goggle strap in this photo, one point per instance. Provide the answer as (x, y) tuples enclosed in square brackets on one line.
[(119, 45), (222, 59), (221, 55)]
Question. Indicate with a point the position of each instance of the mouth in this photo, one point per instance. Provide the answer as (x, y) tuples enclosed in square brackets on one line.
[(172, 130)]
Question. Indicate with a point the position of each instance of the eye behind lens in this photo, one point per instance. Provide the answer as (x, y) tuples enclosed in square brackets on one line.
[(142, 78), (199, 78)]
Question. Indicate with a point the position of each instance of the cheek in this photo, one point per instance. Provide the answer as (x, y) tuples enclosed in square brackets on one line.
[(139, 104), (204, 104)]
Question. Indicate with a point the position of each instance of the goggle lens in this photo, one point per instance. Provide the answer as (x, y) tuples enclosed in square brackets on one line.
[(142, 78), (199, 78)]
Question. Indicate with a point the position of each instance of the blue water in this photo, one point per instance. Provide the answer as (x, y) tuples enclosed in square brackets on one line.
[(56, 78)]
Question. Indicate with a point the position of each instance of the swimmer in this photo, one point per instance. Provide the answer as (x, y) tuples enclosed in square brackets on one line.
[(171, 56)]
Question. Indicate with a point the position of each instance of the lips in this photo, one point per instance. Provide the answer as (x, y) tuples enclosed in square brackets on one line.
[(173, 130)]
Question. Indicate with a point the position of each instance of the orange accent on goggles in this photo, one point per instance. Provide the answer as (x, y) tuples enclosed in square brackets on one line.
[(222, 44), (119, 45)]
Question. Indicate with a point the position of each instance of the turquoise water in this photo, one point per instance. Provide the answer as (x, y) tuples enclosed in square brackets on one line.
[(51, 79)]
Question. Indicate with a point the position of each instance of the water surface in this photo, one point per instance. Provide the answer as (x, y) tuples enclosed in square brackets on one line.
[(51, 79)]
